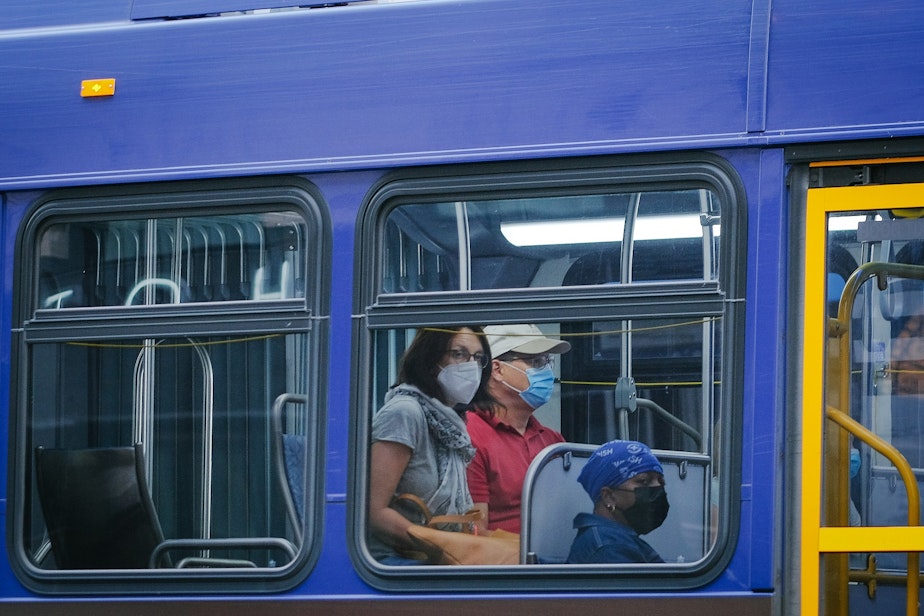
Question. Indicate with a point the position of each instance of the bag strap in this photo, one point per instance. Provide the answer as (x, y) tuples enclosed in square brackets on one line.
[(466, 520), (416, 502)]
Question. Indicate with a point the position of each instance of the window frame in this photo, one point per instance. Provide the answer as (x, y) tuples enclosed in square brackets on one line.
[(827, 548), (307, 316), (379, 311)]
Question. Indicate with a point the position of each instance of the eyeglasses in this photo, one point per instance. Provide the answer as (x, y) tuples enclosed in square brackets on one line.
[(534, 361), (460, 356)]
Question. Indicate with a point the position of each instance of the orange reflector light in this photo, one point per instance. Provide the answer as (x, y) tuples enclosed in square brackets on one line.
[(97, 87)]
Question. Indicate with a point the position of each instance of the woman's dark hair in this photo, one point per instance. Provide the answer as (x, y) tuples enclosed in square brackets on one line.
[(420, 363)]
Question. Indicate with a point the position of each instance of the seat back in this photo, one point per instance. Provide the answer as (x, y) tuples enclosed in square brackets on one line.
[(551, 498), (684, 536), (290, 459), (97, 507)]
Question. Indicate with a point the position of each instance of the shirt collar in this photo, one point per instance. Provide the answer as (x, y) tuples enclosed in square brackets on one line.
[(494, 421)]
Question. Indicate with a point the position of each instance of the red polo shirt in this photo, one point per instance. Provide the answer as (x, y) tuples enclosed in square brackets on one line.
[(495, 475)]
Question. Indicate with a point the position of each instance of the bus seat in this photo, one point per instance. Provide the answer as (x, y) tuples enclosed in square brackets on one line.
[(552, 497), (290, 456), (97, 507), (100, 515), (684, 536), (596, 267), (904, 297)]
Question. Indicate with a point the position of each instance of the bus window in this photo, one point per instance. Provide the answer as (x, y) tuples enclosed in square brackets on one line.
[(182, 329), (552, 241), (242, 257), (633, 276), (879, 382)]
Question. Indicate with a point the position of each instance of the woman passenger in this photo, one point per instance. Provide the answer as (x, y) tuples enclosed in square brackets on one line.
[(625, 481), (419, 441)]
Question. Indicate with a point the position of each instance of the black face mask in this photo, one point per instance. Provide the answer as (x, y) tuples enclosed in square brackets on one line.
[(649, 510)]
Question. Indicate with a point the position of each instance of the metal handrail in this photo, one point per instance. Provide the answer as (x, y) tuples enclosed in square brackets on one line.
[(676, 422)]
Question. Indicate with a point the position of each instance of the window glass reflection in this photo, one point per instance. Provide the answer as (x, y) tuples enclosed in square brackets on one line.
[(552, 241), (255, 257)]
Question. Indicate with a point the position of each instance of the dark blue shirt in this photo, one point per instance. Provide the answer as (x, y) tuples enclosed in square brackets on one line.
[(600, 540)]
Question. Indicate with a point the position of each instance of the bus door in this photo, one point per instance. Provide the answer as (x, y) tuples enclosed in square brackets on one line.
[(863, 389)]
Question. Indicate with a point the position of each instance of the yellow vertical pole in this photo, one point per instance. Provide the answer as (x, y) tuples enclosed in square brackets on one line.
[(813, 351), (835, 478)]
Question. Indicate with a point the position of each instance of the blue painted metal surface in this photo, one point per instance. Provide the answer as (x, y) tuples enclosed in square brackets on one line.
[(24, 14), (342, 94), (371, 85), (845, 69), (391, 84), (176, 9)]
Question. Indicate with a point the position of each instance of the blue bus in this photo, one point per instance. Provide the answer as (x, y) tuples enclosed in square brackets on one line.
[(225, 220)]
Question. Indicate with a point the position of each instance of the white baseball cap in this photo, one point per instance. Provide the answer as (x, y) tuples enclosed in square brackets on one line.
[(522, 338)]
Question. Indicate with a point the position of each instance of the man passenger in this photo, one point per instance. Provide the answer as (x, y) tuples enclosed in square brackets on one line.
[(506, 436)]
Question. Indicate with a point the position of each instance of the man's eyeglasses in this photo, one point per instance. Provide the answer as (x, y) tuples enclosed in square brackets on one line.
[(533, 361), (460, 356)]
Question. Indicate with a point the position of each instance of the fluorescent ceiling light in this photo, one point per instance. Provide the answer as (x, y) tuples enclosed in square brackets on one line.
[(554, 232), (601, 230), (670, 227), (846, 223)]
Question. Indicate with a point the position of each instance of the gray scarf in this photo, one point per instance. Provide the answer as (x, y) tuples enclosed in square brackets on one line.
[(453, 452)]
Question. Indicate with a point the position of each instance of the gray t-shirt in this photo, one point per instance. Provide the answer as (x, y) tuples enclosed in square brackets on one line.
[(401, 420)]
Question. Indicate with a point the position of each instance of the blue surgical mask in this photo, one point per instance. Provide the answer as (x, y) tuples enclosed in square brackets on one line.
[(541, 383), (854, 462)]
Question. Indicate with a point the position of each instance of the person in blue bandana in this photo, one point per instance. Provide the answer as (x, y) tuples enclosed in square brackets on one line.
[(625, 481)]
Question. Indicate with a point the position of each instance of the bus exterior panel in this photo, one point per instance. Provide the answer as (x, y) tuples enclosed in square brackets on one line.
[(236, 246)]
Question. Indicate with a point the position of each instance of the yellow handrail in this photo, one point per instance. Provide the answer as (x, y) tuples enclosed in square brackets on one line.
[(894, 456)]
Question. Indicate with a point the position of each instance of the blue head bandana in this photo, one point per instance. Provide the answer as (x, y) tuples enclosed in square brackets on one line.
[(614, 463)]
